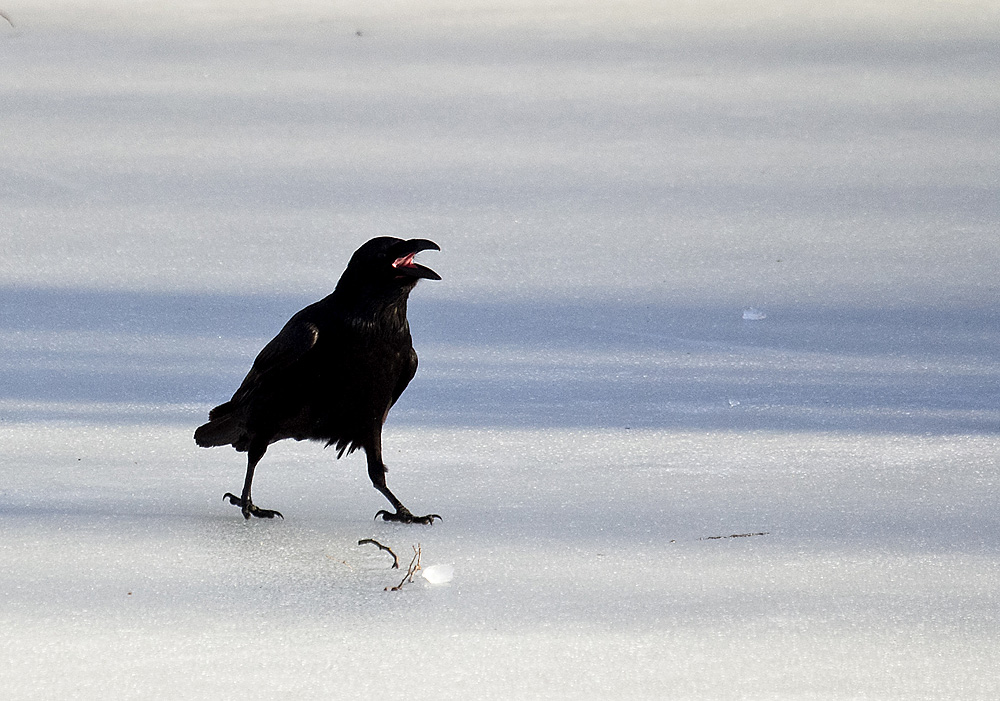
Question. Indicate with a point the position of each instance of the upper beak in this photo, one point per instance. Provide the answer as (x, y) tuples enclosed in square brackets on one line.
[(405, 264)]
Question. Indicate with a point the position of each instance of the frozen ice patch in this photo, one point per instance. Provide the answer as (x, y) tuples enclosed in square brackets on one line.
[(438, 574), (753, 314)]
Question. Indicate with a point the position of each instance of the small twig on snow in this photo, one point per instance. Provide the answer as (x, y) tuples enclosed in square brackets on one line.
[(345, 563), (395, 560), (735, 535), (410, 571)]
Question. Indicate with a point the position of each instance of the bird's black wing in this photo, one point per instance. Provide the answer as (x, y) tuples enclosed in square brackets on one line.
[(296, 339)]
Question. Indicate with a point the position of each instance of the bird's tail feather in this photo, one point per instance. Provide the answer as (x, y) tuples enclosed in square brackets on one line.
[(222, 427)]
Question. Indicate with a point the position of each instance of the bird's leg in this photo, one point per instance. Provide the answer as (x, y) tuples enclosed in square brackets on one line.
[(376, 471), (254, 454)]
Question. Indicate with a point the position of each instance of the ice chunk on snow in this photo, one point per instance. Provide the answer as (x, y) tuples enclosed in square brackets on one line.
[(438, 574), (753, 314)]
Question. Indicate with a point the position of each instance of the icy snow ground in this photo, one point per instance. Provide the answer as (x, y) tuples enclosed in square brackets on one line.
[(613, 184)]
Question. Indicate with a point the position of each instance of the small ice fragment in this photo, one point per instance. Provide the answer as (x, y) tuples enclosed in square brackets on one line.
[(753, 314), (438, 574)]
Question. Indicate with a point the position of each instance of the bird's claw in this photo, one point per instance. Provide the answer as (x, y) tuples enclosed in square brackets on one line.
[(404, 516), (250, 509)]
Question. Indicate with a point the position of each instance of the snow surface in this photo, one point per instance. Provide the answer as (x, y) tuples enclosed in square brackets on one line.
[(613, 185)]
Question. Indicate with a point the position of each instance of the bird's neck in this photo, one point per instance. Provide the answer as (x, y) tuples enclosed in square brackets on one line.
[(370, 310)]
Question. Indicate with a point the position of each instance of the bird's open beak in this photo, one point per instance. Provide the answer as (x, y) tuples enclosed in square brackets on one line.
[(405, 265)]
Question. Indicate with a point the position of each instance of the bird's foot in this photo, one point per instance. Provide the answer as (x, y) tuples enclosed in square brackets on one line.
[(403, 515), (250, 509)]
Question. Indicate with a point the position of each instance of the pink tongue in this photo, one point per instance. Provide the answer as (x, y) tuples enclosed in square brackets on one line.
[(404, 262)]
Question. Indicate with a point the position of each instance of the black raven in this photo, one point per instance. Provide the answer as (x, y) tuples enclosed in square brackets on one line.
[(333, 372)]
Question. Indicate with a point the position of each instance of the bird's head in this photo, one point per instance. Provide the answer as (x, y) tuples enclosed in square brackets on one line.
[(387, 263)]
